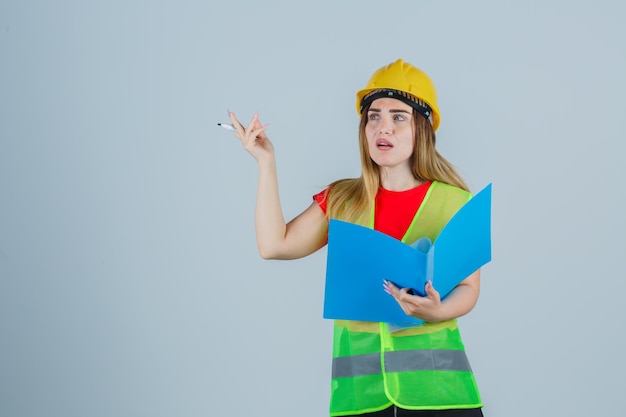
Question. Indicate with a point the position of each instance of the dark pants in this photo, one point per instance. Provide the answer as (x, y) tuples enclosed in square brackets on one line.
[(394, 411)]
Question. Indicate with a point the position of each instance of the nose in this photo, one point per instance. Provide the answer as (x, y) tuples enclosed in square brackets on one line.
[(386, 127)]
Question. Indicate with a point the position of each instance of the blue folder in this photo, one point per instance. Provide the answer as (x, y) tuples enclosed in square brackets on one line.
[(359, 259)]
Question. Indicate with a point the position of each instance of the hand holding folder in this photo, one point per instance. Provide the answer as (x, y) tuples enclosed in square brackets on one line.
[(359, 258)]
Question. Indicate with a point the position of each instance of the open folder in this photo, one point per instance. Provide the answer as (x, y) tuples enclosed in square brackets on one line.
[(359, 259)]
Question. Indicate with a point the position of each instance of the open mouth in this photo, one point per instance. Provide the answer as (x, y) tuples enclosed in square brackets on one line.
[(383, 144)]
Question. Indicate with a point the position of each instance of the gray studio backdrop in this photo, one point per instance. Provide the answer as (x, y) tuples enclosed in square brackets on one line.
[(130, 284)]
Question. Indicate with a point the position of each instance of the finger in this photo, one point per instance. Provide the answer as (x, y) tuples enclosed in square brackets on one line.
[(407, 305), (259, 133), (405, 296), (250, 132), (258, 125), (234, 120), (250, 140), (431, 292), (253, 122), (390, 288), (240, 131)]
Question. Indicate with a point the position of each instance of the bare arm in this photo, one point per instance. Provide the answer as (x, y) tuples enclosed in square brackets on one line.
[(430, 308), (277, 239)]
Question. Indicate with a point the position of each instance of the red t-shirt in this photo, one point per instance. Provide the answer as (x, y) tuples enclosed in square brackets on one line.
[(394, 209)]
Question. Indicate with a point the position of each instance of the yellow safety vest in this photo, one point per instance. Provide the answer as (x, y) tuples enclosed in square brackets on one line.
[(419, 368)]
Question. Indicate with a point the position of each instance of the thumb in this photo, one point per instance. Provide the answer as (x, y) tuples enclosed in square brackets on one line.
[(430, 290)]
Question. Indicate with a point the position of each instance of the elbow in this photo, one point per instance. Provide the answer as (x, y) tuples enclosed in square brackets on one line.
[(268, 253), (278, 252)]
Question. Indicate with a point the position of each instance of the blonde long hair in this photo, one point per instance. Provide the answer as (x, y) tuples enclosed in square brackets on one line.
[(351, 199)]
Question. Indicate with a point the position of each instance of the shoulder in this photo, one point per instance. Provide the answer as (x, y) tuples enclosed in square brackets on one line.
[(321, 199), (340, 186), (345, 182), (344, 188)]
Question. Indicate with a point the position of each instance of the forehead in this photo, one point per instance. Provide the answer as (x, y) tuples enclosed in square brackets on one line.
[(387, 103)]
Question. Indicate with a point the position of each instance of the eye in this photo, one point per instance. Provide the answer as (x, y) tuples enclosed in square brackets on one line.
[(399, 117), (373, 116)]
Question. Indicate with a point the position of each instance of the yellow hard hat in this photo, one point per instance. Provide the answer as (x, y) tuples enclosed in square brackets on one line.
[(402, 81)]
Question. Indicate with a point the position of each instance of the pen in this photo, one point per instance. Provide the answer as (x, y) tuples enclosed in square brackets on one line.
[(227, 127)]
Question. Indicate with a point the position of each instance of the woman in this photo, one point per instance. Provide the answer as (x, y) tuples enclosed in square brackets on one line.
[(408, 191)]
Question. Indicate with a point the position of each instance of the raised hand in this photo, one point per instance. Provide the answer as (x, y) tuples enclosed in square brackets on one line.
[(253, 138)]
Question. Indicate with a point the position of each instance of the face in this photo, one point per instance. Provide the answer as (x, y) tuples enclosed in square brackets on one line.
[(389, 132)]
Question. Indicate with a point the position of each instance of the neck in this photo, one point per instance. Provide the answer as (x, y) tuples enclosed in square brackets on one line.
[(398, 180)]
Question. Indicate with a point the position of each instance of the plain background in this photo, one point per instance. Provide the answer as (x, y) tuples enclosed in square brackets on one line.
[(130, 283)]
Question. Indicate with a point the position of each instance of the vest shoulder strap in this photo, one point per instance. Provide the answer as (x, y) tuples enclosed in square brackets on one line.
[(440, 204)]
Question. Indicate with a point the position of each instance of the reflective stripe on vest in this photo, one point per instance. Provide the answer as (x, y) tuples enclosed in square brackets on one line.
[(401, 361)]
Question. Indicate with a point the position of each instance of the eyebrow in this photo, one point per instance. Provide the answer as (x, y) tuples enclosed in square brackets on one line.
[(391, 111)]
